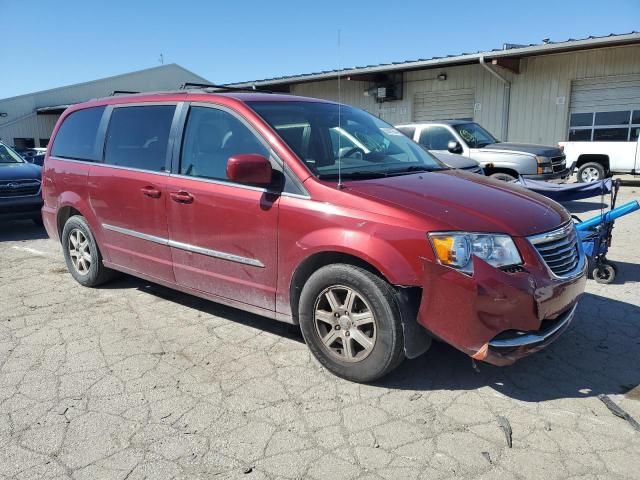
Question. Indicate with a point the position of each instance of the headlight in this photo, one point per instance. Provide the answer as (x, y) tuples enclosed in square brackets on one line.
[(544, 164), (455, 249)]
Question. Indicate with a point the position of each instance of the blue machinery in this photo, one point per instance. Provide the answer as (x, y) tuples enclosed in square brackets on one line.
[(595, 235)]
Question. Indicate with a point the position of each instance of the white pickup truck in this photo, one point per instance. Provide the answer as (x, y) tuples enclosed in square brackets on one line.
[(597, 160)]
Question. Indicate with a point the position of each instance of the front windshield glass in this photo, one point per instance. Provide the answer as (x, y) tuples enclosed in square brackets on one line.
[(475, 135), (359, 143), (7, 155)]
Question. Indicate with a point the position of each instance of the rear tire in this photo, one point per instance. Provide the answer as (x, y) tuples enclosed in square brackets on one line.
[(590, 172), (82, 255), (350, 320), (505, 177)]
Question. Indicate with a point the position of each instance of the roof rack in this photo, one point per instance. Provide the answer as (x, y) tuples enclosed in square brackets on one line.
[(221, 88), (121, 92)]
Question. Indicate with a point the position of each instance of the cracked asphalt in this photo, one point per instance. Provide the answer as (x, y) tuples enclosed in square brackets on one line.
[(134, 381)]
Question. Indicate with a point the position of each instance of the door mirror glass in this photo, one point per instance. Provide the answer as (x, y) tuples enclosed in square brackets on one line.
[(454, 147), (249, 168)]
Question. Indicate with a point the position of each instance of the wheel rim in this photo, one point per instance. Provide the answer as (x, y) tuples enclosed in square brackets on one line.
[(590, 174), (79, 251), (603, 273), (345, 323)]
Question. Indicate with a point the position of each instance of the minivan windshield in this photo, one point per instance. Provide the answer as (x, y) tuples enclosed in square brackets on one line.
[(475, 135), (7, 155), (331, 138)]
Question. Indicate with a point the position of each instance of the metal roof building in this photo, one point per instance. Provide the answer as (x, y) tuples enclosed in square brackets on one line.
[(27, 120), (531, 93)]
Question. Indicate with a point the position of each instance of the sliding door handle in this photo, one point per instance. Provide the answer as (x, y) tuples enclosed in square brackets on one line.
[(181, 197), (150, 192)]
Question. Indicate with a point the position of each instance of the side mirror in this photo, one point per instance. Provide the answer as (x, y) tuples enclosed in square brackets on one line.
[(454, 147), (249, 168)]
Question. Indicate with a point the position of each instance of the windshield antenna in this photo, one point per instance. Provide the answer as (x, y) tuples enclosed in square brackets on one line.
[(340, 186)]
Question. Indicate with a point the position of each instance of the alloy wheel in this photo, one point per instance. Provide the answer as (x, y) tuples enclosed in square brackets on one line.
[(79, 251), (590, 174), (345, 323)]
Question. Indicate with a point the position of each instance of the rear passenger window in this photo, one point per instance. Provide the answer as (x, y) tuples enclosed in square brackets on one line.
[(76, 138), (138, 137), (210, 138), (436, 138)]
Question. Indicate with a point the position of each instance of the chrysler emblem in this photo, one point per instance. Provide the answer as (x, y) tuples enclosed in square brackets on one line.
[(13, 186)]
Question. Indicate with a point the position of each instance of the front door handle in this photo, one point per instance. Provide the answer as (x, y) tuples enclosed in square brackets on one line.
[(150, 192), (181, 197)]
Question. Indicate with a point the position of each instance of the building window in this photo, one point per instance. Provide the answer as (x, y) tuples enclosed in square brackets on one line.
[(614, 126), (44, 142), (23, 143)]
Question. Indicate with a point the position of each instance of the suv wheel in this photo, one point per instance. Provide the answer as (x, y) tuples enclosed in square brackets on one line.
[(351, 322), (505, 177), (590, 172), (81, 253)]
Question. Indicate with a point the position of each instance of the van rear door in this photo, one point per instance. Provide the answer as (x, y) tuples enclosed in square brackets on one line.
[(128, 191)]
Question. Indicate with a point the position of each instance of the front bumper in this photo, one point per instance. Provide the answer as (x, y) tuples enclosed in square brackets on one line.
[(498, 316), (549, 176), (18, 208)]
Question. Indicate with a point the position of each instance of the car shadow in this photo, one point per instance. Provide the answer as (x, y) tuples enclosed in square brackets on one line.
[(598, 354), (577, 207), (18, 230), (208, 307)]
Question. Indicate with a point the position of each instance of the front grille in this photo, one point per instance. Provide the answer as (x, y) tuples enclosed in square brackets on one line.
[(559, 163), (559, 249), (19, 188)]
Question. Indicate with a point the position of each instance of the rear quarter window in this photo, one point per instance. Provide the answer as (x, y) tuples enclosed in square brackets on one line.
[(76, 137)]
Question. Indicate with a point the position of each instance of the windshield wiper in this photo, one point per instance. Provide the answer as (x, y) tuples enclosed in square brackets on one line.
[(352, 175), (416, 169)]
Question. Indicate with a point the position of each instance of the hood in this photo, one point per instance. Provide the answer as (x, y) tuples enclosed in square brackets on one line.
[(457, 200), (20, 171), (455, 161), (542, 150)]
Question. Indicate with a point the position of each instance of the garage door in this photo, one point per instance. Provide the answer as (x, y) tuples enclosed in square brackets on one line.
[(605, 108), (443, 105)]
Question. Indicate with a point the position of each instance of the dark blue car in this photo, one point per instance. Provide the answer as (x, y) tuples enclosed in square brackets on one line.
[(20, 192)]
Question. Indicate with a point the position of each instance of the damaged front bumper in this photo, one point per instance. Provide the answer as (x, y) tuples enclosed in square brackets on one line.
[(498, 316)]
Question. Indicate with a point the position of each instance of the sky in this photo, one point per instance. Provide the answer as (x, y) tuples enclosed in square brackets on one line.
[(47, 43)]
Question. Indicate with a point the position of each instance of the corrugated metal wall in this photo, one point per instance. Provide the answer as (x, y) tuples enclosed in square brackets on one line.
[(488, 96), (22, 122), (540, 94)]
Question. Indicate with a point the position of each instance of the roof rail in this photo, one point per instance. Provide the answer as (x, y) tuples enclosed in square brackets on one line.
[(221, 88), (121, 92)]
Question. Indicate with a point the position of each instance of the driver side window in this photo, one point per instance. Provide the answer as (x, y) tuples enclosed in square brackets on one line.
[(436, 138), (211, 136)]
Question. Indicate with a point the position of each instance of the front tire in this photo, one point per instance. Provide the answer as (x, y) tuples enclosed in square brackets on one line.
[(82, 255), (590, 172), (350, 320), (505, 177)]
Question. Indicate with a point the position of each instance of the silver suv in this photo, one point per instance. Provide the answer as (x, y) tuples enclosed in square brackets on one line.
[(505, 161)]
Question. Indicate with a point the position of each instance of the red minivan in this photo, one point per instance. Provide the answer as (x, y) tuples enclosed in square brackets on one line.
[(313, 213)]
